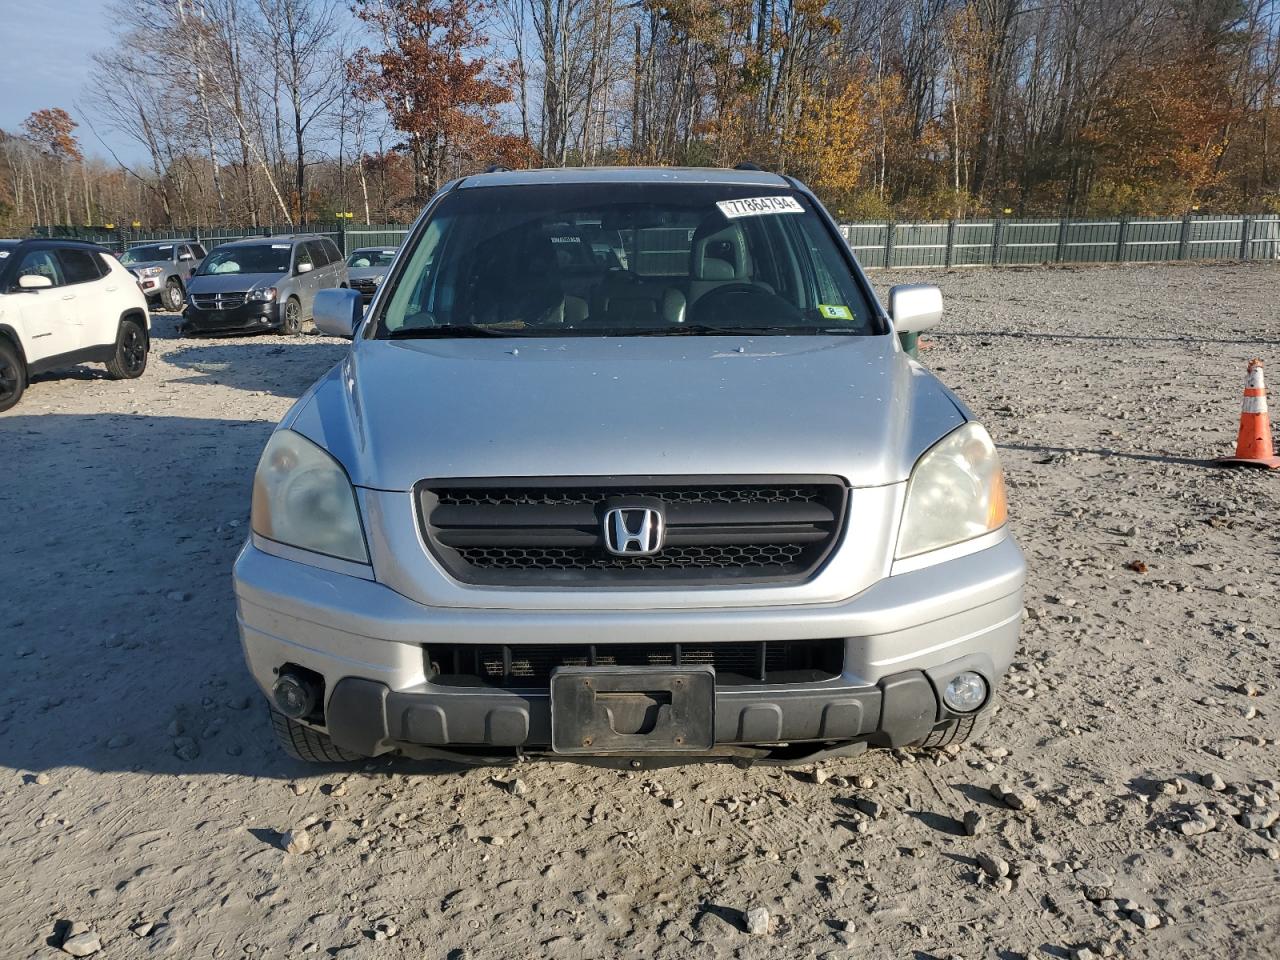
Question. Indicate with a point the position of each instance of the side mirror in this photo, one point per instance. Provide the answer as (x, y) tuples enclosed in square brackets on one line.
[(34, 281), (337, 312), (185, 256), (914, 307), (305, 267)]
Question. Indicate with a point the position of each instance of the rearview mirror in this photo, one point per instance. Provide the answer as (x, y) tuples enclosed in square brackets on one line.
[(914, 307), (305, 267), (337, 312), (34, 281)]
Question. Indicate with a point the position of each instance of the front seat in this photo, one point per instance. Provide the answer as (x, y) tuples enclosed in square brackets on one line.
[(627, 301), (719, 256)]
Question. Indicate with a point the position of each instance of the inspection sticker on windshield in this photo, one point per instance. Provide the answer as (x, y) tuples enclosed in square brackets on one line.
[(835, 311), (279, 246), (758, 206)]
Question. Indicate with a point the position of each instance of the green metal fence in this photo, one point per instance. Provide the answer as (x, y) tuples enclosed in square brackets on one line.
[(947, 243), (966, 243)]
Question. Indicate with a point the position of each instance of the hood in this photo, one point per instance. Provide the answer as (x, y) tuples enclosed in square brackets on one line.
[(144, 264), (232, 282), (396, 412), (367, 273)]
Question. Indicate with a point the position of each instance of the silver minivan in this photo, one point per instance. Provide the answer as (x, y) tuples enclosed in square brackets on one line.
[(628, 466), (262, 283)]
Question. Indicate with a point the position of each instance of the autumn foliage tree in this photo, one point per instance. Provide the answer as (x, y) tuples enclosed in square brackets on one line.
[(436, 87), (51, 131)]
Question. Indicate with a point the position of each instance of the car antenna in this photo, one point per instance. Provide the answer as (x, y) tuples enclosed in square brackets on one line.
[(496, 168), (747, 165)]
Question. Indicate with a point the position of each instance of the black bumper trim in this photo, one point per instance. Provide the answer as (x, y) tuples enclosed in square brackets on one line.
[(366, 717), (251, 316)]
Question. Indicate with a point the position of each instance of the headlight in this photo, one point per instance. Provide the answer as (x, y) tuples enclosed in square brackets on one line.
[(302, 497), (151, 271), (956, 493), (378, 280), (263, 294)]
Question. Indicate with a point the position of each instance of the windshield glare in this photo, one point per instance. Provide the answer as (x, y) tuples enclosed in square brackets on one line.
[(637, 259), (145, 254), (256, 258), (370, 258)]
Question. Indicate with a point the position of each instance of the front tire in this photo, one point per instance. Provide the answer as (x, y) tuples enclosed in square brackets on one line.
[(173, 296), (291, 323), (960, 731), (302, 743), (130, 359), (13, 375)]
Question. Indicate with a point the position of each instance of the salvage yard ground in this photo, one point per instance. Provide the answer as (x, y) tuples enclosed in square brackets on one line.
[(142, 798)]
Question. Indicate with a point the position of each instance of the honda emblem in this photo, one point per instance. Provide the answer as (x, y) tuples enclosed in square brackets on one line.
[(633, 531)]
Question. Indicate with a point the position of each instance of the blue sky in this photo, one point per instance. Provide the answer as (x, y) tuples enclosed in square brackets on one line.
[(46, 62)]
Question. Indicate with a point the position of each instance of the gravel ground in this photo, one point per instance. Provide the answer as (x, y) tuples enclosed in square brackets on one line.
[(144, 808)]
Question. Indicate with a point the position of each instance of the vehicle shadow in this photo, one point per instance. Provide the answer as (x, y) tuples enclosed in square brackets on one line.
[(259, 366), (117, 630)]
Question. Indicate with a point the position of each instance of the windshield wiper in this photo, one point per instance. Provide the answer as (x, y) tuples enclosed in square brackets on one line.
[(447, 330), (708, 330)]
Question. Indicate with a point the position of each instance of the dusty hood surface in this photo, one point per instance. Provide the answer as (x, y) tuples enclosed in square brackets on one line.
[(232, 282), (396, 412)]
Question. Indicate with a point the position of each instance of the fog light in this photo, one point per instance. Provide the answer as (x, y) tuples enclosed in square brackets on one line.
[(965, 693), (294, 697)]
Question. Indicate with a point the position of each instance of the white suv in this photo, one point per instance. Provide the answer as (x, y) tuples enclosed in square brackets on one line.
[(63, 303)]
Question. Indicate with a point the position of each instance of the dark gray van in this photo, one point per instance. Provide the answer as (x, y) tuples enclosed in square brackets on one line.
[(262, 283)]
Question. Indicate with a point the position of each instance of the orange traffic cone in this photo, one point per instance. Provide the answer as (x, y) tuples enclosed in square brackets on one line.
[(1253, 445)]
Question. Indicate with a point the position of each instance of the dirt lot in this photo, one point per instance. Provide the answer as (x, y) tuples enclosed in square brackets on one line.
[(141, 796)]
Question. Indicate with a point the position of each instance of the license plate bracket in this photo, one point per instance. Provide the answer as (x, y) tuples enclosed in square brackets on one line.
[(632, 710)]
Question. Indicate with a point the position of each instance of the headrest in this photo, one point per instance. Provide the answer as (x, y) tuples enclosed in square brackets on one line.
[(713, 268), (716, 247)]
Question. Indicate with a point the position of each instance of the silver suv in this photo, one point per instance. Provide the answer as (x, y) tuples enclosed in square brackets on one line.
[(163, 270), (262, 283), (627, 465)]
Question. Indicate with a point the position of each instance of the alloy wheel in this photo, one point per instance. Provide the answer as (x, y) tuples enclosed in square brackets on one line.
[(133, 349), (9, 374)]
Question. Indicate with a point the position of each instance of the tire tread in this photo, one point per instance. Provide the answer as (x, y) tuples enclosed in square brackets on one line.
[(302, 743), (957, 731)]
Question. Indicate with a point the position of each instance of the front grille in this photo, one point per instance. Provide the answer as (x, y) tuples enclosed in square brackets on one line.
[(218, 301), (780, 556), (364, 286), (530, 666), (552, 532)]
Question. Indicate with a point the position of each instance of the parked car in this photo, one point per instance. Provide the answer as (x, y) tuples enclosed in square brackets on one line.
[(163, 270), (694, 503), (64, 303), (262, 283), (367, 267)]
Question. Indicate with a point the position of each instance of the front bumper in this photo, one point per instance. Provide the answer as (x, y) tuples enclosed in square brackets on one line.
[(905, 638), (254, 315)]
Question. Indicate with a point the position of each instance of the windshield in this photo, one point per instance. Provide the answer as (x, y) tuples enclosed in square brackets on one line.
[(155, 251), (255, 258), (370, 258), (636, 259)]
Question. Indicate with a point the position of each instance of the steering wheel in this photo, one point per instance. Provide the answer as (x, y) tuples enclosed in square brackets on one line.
[(719, 298)]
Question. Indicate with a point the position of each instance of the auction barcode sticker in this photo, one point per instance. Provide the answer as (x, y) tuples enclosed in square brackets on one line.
[(758, 206)]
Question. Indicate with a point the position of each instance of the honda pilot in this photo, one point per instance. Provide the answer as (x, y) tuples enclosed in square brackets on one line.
[(627, 466)]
